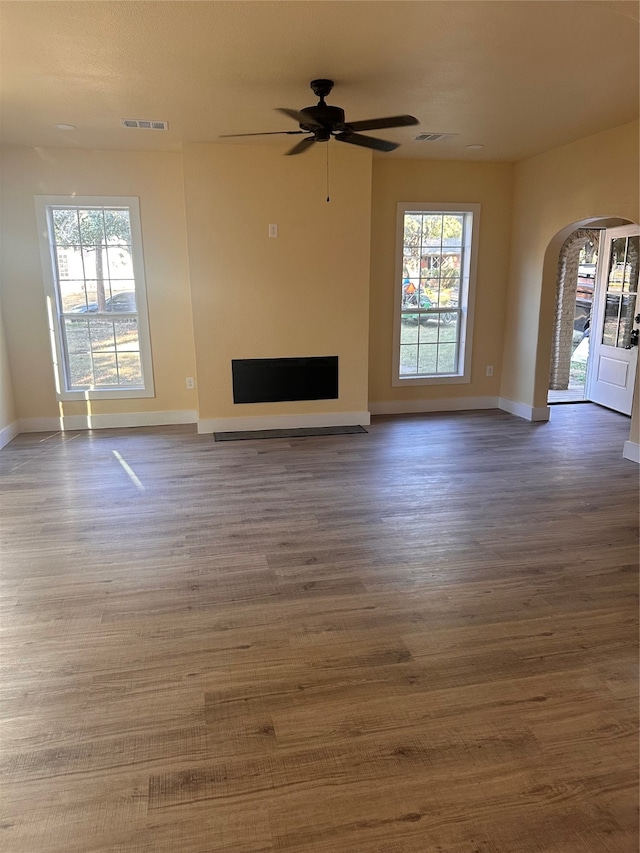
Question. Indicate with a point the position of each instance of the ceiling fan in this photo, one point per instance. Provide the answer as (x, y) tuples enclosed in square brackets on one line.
[(324, 121)]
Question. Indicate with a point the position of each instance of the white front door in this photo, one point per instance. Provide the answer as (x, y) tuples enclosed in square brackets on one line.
[(615, 317)]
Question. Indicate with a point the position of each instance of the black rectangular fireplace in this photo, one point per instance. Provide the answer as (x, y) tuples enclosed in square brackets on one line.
[(274, 380)]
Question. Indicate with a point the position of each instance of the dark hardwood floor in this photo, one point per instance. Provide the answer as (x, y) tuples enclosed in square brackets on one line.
[(419, 640)]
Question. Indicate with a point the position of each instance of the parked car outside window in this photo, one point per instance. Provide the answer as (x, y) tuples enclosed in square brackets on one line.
[(125, 302)]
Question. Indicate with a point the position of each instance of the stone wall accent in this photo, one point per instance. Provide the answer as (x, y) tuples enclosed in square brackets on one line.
[(562, 340)]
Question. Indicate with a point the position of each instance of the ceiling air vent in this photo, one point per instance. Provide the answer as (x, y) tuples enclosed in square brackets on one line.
[(434, 137), (145, 124)]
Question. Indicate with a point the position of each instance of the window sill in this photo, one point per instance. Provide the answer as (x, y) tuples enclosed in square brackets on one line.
[(448, 379), (100, 394)]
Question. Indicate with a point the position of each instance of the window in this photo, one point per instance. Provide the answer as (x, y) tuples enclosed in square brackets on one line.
[(94, 282), (435, 289)]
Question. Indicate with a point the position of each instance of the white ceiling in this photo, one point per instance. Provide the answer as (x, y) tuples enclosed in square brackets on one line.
[(519, 77)]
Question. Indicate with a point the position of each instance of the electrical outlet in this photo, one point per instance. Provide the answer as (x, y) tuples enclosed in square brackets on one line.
[(273, 230), (489, 370), (190, 383)]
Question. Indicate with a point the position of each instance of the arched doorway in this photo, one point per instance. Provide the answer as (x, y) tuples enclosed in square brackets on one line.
[(574, 295), (551, 313)]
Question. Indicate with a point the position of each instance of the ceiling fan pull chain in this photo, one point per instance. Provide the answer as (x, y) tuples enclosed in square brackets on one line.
[(328, 198)]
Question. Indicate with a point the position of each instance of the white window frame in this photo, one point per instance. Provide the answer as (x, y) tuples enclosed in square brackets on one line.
[(466, 301), (49, 268)]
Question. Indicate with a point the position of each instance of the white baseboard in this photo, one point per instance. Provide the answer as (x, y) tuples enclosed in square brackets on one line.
[(8, 433), (115, 421), (632, 451), (451, 404), (521, 410), (320, 419)]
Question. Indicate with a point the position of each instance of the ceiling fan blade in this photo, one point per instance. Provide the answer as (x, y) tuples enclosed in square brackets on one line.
[(301, 118), (267, 133), (302, 145), (377, 123), (367, 141)]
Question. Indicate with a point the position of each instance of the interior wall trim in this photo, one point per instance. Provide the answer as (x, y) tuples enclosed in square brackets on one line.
[(8, 433), (318, 419), (115, 421), (631, 451), (521, 410), (450, 404)]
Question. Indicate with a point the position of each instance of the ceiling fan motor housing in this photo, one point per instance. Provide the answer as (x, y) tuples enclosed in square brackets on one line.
[(331, 118)]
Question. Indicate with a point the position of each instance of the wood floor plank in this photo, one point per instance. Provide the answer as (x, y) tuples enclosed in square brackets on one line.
[(424, 640)]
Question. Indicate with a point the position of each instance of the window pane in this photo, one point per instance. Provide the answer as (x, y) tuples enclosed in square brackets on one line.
[(430, 290), (410, 293), (631, 265), (102, 335), (77, 335), (412, 229), (448, 327), (626, 321), (80, 369), (451, 264), (428, 358), (411, 263), (126, 334), (89, 262), (122, 300), (91, 226), (616, 263), (119, 262), (429, 329), (65, 226), (432, 229), (449, 293), (426, 299), (129, 368), (408, 359), (409, 329), (73, 296), (610, 330), (105, 369), (62, 263), (118, 229), (446, 358), (452, 230)]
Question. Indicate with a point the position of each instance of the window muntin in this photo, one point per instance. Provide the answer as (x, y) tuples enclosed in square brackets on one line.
[(435, 293), (95, 284)]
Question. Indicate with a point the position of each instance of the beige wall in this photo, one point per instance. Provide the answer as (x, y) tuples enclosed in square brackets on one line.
[(7, 406), (156, 178), (220, 288), (596, 177), (490, 185), (303, 293)]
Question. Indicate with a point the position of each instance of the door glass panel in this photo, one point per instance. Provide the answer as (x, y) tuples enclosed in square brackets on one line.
[(616, 263), (631, 266), (610, 330), (626, 321)]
